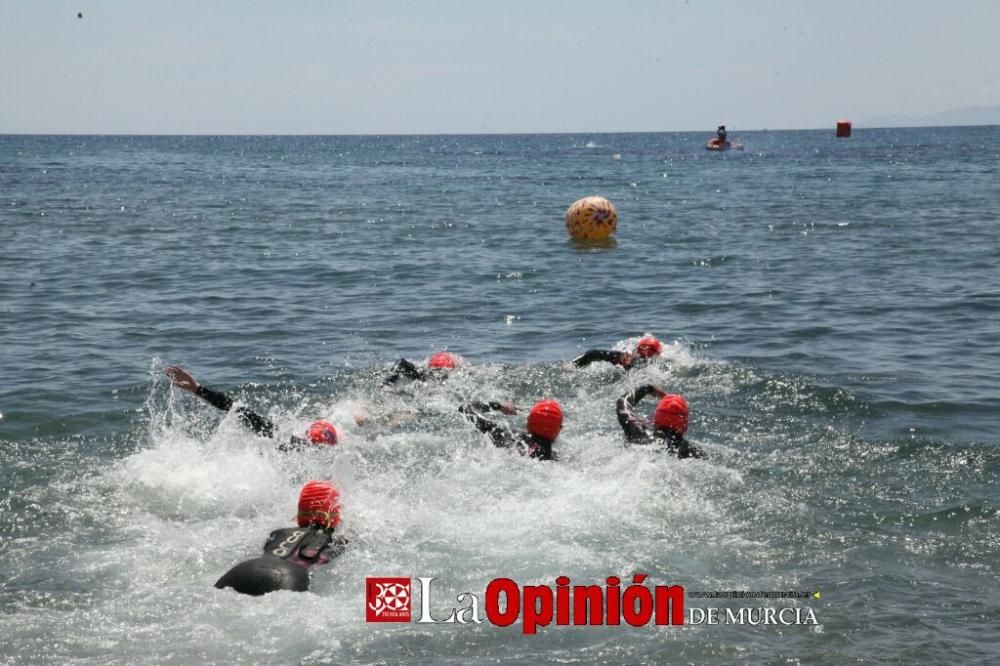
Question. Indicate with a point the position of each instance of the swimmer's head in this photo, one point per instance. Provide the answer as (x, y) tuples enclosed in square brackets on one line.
[(322, 432), (648, 347), (545, 419), (442, 361), (319, 504), (672, 412)]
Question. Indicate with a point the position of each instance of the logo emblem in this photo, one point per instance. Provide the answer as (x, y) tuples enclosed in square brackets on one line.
[(387, 599)]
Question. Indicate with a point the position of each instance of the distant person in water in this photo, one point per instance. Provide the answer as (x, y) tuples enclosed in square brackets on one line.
[(319, 432), (290, 553), (438, 366), (545, 421), (646, 350), (670, 421), (721, 135)]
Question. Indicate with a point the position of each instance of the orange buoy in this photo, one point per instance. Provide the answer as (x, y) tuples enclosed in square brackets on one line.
[(591, 218), (843, 129)]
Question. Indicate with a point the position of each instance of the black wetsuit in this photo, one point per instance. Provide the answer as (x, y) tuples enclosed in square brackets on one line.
[(253, 420), (626, 360), (289, 555), (404, 368), (525, 443), (640, 431)]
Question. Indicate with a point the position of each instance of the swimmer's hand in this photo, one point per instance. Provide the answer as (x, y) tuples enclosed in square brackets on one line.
[(508, 408), (181, 378), (657, 391)]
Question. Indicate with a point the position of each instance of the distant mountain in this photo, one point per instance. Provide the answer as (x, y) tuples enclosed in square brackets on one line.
[(977, 115)]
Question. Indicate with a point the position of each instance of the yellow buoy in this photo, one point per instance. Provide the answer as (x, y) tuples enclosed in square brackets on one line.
[(591, 218)]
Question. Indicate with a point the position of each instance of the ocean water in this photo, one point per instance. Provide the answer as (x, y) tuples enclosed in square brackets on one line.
[(830, 309)]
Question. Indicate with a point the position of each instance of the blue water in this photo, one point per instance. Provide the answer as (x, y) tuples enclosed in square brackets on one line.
[(831, 308)]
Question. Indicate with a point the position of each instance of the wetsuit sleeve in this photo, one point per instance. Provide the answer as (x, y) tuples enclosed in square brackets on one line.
[(500, 435), (636, 428), (253, 420), (215, 398), (608, 356), (404, 368), (476, 405), (686, 449)]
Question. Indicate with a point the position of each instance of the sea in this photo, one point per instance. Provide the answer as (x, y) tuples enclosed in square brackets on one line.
[(830, 309)]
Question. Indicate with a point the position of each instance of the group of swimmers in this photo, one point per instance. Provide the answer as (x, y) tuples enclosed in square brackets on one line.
[(291, 553)]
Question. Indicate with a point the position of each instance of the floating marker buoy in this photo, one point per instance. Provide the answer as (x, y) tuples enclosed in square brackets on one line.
[(591, 218), (843, 129)]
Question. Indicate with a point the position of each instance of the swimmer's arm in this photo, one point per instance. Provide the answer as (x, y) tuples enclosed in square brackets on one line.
[(253, 420), (606, 355), (635, 427), (183, 379), (629, 400), (403, 368), (500, 435), (688, 450), (215, 398), (473, 412), (508, 408)]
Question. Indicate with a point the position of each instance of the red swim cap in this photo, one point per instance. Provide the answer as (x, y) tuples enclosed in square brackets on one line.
[(545, 419), (322, 432), (648, 346), (672, 412), (319, 504), (442, 360)]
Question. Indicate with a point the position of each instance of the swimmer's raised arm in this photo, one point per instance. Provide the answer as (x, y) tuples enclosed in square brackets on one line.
[(181, 378)]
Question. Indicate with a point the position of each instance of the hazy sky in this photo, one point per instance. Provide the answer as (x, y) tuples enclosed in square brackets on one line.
[(444, 66)]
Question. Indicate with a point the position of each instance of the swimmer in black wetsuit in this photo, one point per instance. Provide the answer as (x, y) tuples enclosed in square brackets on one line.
[(670, 421), (290, 554), (544, 423), (646, 350), (320, 432), (439, 366)]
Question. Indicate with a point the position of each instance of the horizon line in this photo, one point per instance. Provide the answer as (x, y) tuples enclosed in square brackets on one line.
[(401, 134)]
